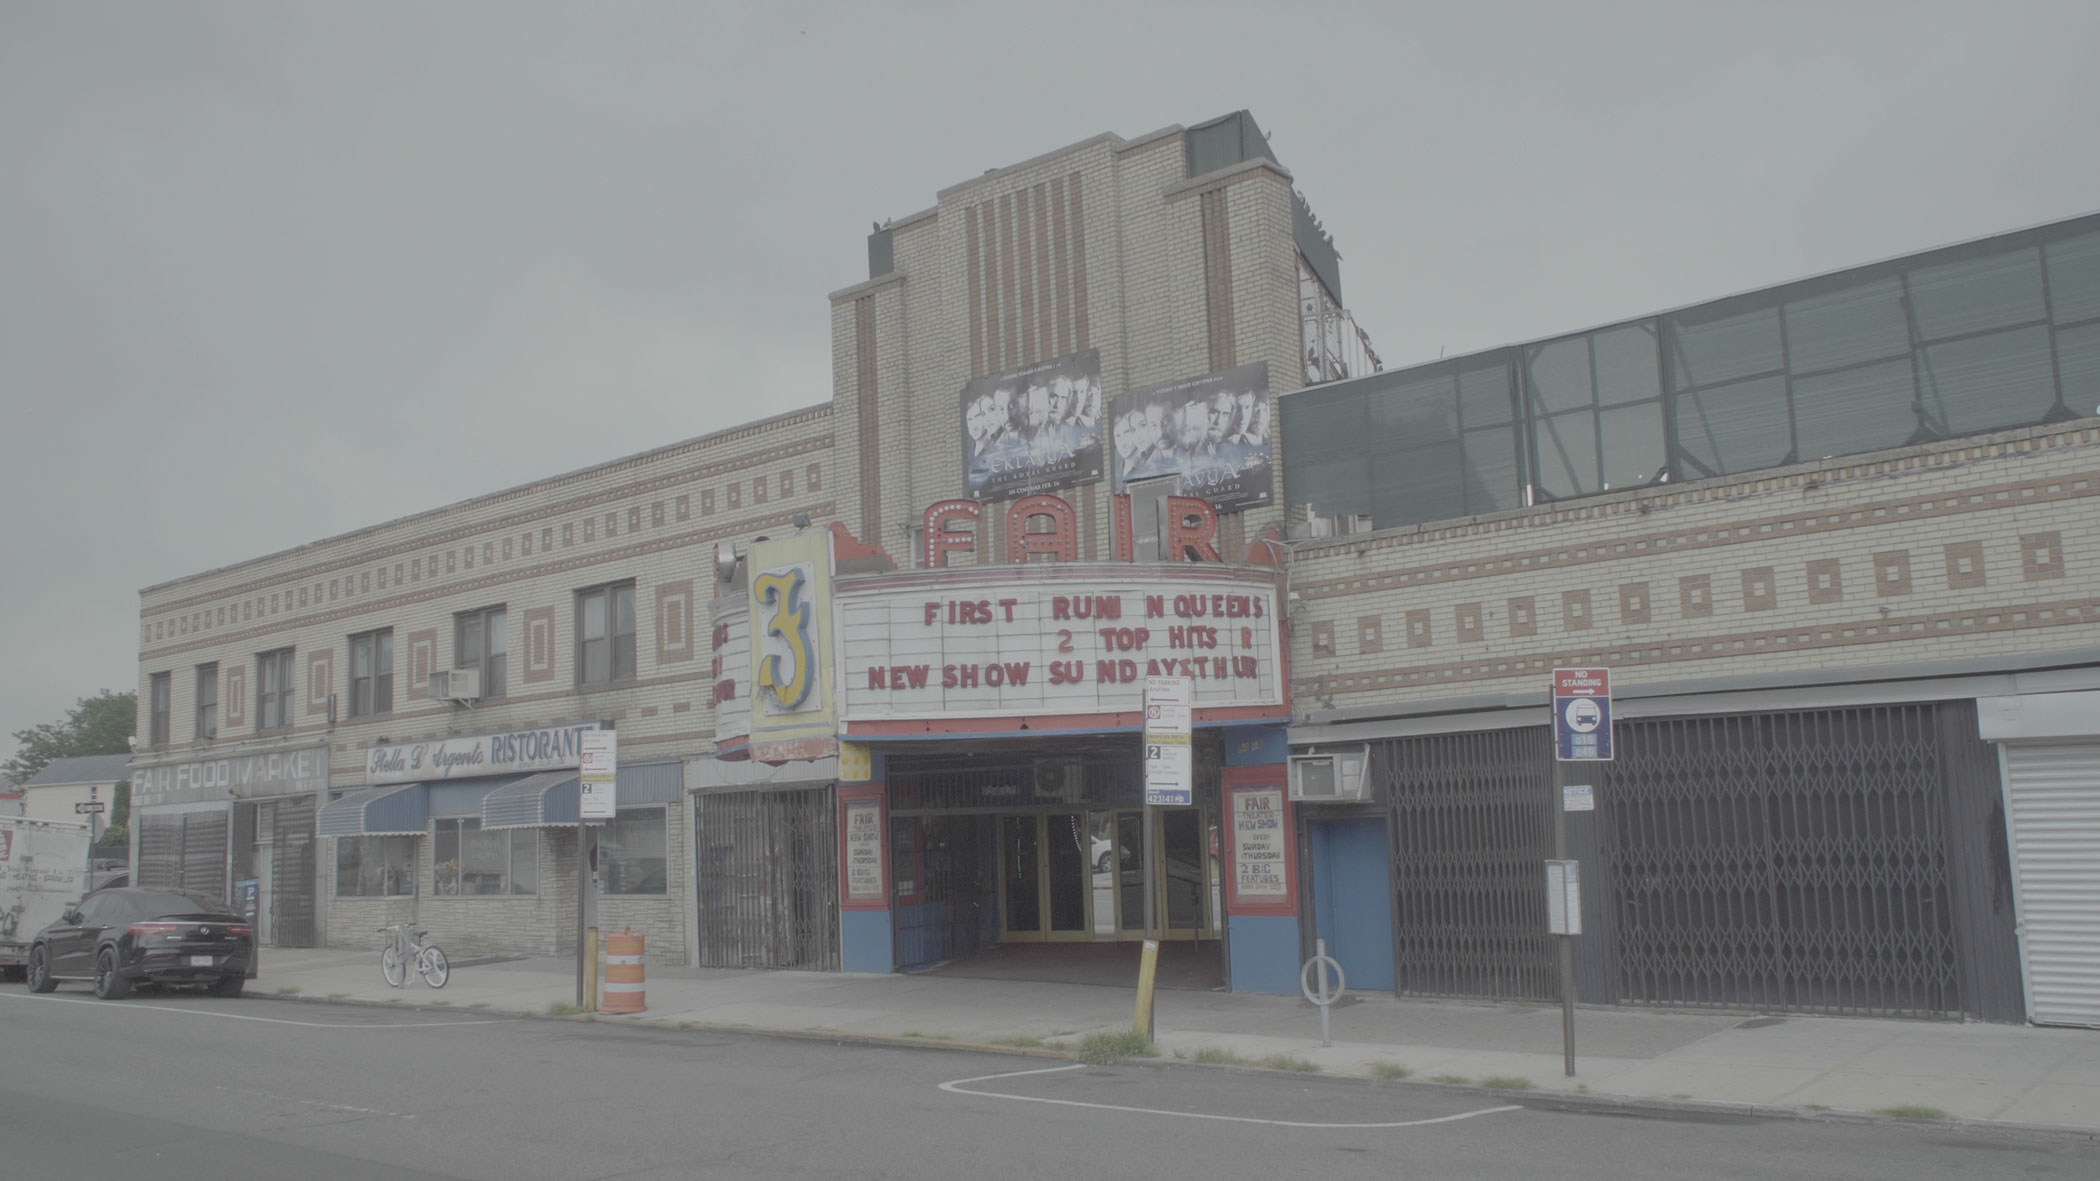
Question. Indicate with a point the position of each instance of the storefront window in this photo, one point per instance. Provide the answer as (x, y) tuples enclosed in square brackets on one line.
[(375, 867), (473, 862), (631, 856)]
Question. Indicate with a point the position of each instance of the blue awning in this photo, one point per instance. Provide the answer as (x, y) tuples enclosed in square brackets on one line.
[(396, 810), (536, 801)]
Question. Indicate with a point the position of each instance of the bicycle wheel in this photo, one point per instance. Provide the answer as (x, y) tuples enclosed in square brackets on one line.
[(391, 967), (432, 964)]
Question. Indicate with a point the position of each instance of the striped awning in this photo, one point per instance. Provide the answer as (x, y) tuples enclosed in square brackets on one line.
[(535, 801), (398, 809)]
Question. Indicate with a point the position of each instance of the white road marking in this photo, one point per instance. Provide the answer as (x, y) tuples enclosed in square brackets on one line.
[(133, 1006), (956, 1088), (275, 1097)]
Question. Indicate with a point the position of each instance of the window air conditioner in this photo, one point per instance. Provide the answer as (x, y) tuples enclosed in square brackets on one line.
[(1333, 777), (460, 684)]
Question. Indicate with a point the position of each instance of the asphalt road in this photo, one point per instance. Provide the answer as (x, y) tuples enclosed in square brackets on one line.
[(185, 1086)]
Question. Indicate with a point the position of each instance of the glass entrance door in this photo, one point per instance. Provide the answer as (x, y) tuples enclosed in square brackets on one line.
[(1045, 876), (1185, 900)]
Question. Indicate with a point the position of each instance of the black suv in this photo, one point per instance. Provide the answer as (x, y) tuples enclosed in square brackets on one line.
[(122, 936)]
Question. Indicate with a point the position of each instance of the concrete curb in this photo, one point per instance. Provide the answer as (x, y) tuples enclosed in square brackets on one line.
[(1637, 1105)]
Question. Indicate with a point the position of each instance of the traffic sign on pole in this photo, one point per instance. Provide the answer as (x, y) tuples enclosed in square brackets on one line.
[(85, 807), (1169, 767), (1582, 714)]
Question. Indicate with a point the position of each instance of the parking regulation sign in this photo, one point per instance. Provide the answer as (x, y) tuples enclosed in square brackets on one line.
[(1582, 714)]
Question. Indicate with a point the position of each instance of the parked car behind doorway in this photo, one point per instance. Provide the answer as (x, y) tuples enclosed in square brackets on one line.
[(122, 936)]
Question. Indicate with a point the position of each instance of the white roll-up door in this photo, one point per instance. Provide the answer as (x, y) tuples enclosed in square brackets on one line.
[(2053, 807)]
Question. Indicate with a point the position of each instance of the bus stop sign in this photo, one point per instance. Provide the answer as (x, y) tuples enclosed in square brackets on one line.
[(1582, 714)]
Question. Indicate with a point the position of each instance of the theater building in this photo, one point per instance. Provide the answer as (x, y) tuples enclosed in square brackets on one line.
[(1047, 469)]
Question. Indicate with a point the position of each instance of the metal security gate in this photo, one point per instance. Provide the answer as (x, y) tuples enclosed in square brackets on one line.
[(292, 873), (954, 913), (1790, 861), (1842, 860), (185, 851), (767, 886), (1469, 833), (2054, 793)]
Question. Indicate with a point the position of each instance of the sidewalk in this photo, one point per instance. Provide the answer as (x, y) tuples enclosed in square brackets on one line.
[(2013, 1075)]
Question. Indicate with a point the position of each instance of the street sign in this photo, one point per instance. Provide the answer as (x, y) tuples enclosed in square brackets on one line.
[(597, 778), (1169, 766), (85, 807), (1564, 898), (1582, 714)]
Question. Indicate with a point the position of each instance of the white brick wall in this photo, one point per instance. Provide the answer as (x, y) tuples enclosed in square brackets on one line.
[(2005, 495)]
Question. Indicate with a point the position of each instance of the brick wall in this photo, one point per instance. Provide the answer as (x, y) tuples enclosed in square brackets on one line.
[(1974, 549)]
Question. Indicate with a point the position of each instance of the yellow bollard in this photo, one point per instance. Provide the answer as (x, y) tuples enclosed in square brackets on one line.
[(1148, 972)]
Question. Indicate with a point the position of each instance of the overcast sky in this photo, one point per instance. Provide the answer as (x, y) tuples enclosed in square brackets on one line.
[(270, 272)]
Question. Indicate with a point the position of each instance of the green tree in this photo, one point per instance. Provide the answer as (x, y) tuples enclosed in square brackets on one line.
[(98, 725), (119, 830)]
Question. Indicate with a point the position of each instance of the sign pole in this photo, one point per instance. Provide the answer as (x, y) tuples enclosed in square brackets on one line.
[(1581, 734), (1567, 942), (1169, 780)]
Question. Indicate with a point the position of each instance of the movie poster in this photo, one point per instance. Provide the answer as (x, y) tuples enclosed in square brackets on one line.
[(1034, 429), (1212, 431)]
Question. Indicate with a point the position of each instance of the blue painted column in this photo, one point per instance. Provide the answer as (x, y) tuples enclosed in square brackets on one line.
[(1261, 862), (867, 939)]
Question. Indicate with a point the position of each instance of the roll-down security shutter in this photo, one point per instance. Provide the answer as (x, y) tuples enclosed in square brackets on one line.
[(2053, 804)]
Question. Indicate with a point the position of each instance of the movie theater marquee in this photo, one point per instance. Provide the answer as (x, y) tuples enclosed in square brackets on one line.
[(994, 646)]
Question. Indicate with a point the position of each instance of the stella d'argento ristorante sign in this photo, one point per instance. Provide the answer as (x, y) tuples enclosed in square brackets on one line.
[(549, 748)]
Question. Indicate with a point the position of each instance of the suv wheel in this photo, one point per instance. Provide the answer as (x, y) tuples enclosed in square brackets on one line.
[(40, 970), (108, 985), (229, 986)]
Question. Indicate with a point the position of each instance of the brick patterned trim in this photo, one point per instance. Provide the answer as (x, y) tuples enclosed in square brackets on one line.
[(674, 622), (870, 418), (1217, 281), (422, 661), (704, 537), (538, 639), (2023, 617), (588, 504), (320, 681)]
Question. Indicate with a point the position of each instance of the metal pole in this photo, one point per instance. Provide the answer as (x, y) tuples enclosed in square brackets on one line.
[(583, 891), (1567, 944)]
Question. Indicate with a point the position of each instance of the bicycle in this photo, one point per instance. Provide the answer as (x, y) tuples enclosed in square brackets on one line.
[(407, 948)]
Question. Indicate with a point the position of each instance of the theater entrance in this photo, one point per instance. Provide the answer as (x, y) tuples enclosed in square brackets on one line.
[(1027, 867), (1079, 875)]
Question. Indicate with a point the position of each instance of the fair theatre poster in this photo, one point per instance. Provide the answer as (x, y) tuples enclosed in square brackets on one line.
[(1212, 431), (1033, 429)]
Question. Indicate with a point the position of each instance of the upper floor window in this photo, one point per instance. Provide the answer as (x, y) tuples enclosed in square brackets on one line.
[(159, 690), (273, 690), (372, 673), (605, 634), (480, 641), (207, 702)]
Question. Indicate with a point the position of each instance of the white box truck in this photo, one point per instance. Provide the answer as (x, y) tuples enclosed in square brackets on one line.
[(43, 870)]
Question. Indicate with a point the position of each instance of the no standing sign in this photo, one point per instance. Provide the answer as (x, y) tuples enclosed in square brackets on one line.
[(1582, 714)]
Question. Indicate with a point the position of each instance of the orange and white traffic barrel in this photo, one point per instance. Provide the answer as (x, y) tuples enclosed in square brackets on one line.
[(623, 973)]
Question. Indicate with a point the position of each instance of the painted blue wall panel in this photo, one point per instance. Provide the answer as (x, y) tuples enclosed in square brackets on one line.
[(865, 941), (1264, 953), (1351, 907)]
